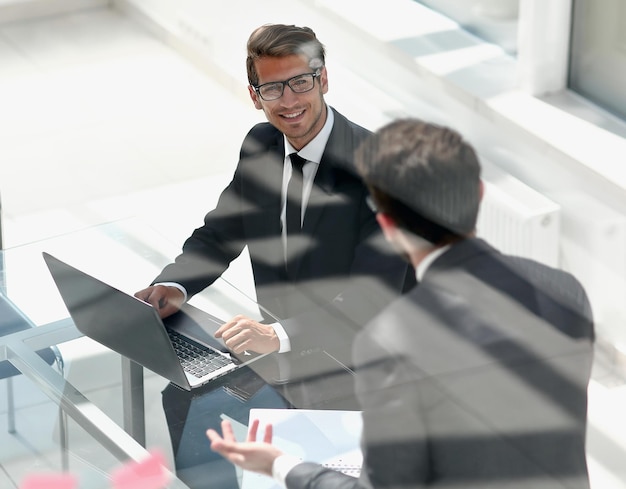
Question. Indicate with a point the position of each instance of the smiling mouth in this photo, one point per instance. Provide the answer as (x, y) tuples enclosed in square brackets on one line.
[(293, 115)]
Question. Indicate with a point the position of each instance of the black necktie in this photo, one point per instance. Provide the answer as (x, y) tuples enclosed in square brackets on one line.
[(293, 211), (293, 217)]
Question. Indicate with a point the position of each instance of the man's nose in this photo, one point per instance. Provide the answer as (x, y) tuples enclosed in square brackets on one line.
[(289, 96)]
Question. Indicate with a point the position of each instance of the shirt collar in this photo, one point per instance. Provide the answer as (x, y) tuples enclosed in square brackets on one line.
[(421, 268), (315, 149)]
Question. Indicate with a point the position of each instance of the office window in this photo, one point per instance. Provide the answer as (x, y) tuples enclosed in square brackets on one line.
[(598, 53), (492, 20)]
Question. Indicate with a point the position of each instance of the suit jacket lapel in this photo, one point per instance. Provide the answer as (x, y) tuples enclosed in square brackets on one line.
[(321, 193), (337, 156)]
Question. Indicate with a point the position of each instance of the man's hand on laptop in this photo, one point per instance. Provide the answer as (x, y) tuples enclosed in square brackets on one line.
[(165, 299), (242, 334)]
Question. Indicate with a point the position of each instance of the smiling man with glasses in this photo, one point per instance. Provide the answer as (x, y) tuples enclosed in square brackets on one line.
[(299, 273), (299, 113), (321, 266)]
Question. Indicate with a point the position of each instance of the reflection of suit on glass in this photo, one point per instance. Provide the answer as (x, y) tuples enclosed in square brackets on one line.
[(476, 378), (344, 242)]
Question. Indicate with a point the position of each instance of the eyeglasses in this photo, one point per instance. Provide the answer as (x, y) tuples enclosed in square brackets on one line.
[(298, 84)]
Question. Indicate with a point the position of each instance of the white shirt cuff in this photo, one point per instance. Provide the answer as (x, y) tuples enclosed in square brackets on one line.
[(174, 284), (281, 467), (285, 344)]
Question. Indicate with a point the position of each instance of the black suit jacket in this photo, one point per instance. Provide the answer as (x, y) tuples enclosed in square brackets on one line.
[(477, 378), (345, 274)]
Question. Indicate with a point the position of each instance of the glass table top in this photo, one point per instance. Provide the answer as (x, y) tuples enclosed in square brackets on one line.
[(95, 387)]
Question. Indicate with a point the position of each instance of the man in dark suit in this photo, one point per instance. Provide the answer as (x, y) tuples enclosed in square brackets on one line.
[(320, 263), (315, 281), (477, 378)]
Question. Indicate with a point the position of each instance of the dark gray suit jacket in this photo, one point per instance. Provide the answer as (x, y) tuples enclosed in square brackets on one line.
[(347, 272), (477, 378)]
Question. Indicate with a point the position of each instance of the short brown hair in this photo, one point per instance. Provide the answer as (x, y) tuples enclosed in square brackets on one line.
[(425, 176), (283, 40)]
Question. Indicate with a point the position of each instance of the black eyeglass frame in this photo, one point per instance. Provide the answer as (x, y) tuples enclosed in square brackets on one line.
[(314, 75)]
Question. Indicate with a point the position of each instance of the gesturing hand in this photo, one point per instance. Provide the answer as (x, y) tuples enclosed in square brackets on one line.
[(257, 456)]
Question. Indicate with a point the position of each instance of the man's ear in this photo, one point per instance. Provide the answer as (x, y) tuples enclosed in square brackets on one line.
[(255, 98), (324, 80), (481, 190), (387, 224)]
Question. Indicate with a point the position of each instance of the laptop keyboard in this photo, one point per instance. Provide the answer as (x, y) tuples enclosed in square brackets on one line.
[(196, 359)]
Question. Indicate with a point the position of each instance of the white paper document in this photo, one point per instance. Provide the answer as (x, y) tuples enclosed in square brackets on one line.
[(328, 437)]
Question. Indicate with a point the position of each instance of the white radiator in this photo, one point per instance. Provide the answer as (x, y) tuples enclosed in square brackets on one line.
[(594, 249), (517, 219)]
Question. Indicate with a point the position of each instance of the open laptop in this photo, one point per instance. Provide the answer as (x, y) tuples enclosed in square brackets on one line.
[(180, 348)]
